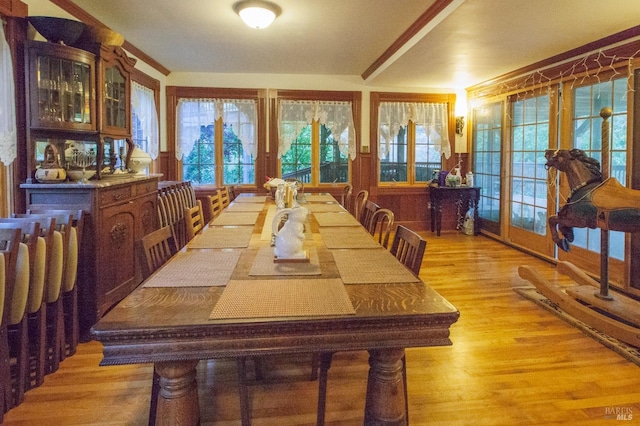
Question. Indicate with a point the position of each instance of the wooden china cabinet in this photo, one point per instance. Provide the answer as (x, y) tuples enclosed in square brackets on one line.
[(80, 99)]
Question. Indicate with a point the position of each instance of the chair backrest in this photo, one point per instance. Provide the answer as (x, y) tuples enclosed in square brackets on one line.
[(381, 225), (225, 198), (193, 220), (408, 247), (77, 216), (367, 213), (9, 245), (214, 205), (358, 203), (158, 247), (28, 285), (347, 193)]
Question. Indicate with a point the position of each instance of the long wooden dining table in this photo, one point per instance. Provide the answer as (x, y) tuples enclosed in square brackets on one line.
[(224, 296)]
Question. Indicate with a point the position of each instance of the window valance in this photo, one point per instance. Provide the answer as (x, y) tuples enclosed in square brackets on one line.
[(335, 115), (433, 117), (144, 106), (8, 135), (241, 114)]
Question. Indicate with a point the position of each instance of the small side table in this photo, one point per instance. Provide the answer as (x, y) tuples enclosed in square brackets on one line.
[(470, 194)]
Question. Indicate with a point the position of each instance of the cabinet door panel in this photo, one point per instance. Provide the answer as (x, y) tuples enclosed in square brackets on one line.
[(116, 255)]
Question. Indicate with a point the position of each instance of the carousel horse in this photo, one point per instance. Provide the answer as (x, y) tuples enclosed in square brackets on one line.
[(593, 202)]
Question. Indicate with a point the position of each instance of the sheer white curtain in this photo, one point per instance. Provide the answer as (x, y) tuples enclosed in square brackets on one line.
[(144, 106), (336, 116), (433, 117), (8, 137), (194, 113)]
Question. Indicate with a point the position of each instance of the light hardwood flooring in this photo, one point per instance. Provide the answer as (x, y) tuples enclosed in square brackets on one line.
[(511, 363)]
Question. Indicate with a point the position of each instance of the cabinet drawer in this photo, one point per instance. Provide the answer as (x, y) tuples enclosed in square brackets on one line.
[(115, 195), (146, 187)]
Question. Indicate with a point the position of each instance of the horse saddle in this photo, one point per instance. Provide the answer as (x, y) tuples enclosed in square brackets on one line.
[(612, 199)]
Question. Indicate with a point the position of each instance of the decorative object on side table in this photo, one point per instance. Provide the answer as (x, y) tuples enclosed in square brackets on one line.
[(139, 161), (50, 170)]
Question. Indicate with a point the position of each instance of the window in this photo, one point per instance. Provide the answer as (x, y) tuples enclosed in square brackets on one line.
[(316, 140), (487, 145), (412, 138), (587, 136), (530, 140), (217, 140)]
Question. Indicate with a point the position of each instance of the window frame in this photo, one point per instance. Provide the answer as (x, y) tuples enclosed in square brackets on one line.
[(376, 98), (175, 93), (354, 97)]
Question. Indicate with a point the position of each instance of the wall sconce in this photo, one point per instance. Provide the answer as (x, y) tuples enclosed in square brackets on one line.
[(257, 14), (459, 124)]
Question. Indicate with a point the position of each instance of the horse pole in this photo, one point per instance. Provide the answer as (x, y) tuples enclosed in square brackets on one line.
[(605, 113)]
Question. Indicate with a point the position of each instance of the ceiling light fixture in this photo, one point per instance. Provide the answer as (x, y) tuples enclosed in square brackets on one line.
[(257, 13)]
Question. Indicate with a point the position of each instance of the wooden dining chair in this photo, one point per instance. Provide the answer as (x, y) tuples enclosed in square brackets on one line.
[(193, 220), (69, 291), (345, 198), (408, 247), (225, 198), (367, 213), (358, 203), (9, 246), (157, 247), (381, 225), (25, 287), (57, 254), (214, 206)]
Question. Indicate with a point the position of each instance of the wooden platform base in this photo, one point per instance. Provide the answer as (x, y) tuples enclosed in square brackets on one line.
[(614, 318)]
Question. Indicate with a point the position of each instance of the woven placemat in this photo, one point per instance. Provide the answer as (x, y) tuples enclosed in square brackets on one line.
[(345, 237), (248, 198), (263, 264), (245, 207), (371, 266), (196, 268), (319, 198), (222, 237), (336, 219), (236, 218), (325, 207), (282, 298)]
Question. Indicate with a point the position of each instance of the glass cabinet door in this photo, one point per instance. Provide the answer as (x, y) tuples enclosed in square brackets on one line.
[(115, 98), (62, 90)]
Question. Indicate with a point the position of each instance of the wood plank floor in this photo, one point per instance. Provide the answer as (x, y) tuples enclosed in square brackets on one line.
[(511, 363)]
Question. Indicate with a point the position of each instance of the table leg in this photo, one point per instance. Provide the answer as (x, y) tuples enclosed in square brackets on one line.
[(385, 405), (178, 397)]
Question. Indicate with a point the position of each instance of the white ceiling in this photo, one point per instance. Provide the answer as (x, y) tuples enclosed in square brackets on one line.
[(470, 42)]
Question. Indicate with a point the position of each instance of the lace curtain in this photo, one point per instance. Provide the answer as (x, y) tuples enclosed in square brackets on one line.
[(241, 114), (8, 137), (144, 106), (433, 117), (336, 116)]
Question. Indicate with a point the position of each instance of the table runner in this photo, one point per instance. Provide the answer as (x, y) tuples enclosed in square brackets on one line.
[(319, 198), (282, 298), (325, 207), (336, 219), (371, 266), (236, 218), (196, 268), (345, 237), (248, 198), (263, 264), (245, 207), (222, 237)]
